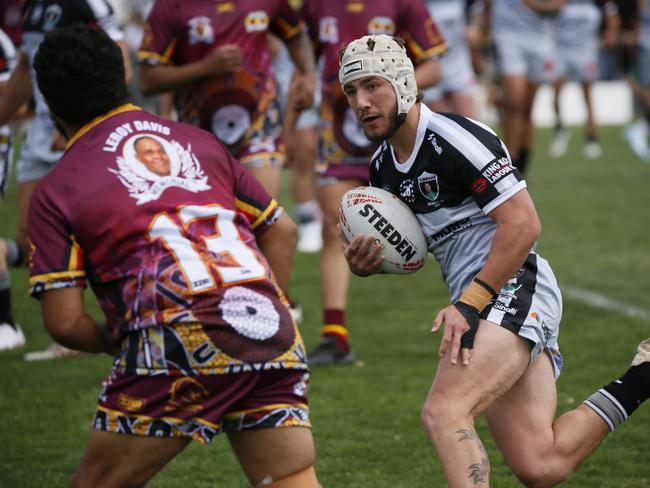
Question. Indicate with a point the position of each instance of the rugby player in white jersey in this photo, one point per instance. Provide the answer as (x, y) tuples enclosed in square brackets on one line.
[(522, 31), (576, 55), (501, 328)]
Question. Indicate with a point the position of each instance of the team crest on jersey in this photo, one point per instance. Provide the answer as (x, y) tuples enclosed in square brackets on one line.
[(381, 25), (328, 30), (52, 17), (150, 164), (256, 21), (406, 192), (200, 30), (428, 186)]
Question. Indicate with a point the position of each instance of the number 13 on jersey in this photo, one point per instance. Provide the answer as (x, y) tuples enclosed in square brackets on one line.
[(225, 243)]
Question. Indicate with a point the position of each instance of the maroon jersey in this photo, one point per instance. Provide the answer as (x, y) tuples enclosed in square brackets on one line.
[(181, 32), (332, 25), (161, 221)]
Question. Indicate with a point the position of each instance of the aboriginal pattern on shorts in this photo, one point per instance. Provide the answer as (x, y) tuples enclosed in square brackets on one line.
[(201, 407), (196, 349), (262, 146)]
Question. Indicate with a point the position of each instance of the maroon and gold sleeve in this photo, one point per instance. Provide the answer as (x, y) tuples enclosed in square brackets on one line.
[(160, 34), (55, 257), (286, 24), (252, 200), (423, 38)]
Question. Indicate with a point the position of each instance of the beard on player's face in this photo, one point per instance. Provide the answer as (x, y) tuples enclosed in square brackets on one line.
[(391, 120)]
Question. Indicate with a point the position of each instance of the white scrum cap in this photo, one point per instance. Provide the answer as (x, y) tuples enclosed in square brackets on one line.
[(380, 55)]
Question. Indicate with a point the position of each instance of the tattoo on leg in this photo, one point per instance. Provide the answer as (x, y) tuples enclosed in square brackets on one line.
[(478, 472)]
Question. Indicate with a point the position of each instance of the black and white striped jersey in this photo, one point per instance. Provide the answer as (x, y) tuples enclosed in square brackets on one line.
[(458, 172)]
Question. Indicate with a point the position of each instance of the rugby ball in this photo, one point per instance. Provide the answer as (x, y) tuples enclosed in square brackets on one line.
[(373, 212)]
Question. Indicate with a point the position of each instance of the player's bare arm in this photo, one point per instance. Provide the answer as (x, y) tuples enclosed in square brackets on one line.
[(161, 78), (17, 91), (518, 228), (278, 243), (302, 55), (427, 73), (67, 321)]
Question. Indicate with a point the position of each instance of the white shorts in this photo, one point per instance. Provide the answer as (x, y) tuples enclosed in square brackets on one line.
[(36, 157), (457, 74), (530, 56), (530, 305), (577, 63)]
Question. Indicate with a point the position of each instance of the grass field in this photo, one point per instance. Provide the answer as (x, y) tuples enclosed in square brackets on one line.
[(366, 418)]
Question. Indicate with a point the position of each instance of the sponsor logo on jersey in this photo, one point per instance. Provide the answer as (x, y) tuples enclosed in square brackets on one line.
[(328, 30), (509, 290), (406, 191), (402, 245), (200, 30), (146, 179), (497, 169), (452, 228), (479, 185), (542, 323), (434, 142), (257, 21), (504, 308), (381, 25), (428, 186), (52, 17), (352, 67)]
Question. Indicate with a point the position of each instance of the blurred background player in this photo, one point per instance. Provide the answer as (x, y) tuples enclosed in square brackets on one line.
[(138, 11), (300, 135), (522, 32), (578, 44), (43, 144), (638, 39), (344, 149), (456, 90), (216, 60), (11, 335), (182, 266)]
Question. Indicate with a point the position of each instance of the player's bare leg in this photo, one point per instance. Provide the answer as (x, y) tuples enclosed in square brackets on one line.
[(561, 137), (458, 102), (124, 460), (277, 458), (514, 108), (303, 187), (269, 178), (540, 450), (459, 394), (335, 279), (592, 149)]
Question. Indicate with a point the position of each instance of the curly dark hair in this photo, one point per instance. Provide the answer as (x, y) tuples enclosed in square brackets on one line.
[(80, 71)]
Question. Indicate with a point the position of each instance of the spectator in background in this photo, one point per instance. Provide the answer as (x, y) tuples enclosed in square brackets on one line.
[(577, 59)]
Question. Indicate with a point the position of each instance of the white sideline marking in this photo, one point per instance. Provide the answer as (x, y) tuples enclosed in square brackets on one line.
[(597, 300)]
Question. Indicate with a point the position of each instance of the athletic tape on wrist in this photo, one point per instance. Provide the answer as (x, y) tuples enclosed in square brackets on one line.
[(476, 296)]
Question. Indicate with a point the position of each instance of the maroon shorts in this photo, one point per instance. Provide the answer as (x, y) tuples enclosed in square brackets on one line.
[(202, 406), (336, 172)]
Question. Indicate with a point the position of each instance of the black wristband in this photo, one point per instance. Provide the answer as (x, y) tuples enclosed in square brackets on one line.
[(484, 285), (471, 315)]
